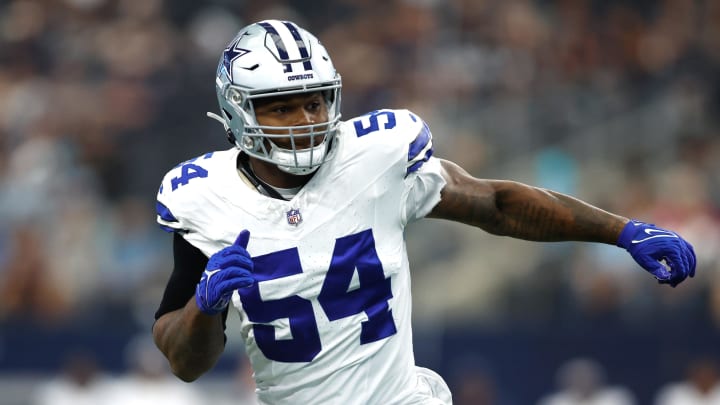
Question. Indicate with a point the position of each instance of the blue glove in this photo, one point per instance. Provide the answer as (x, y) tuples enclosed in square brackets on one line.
[(649, 245), (226, 271)]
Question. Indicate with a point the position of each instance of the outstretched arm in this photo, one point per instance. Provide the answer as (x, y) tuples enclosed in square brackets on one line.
[(517, 210)]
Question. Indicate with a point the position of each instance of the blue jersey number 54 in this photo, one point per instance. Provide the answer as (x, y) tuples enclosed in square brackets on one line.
[(351, 252)]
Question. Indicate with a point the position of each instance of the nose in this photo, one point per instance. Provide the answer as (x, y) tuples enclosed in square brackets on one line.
[(307, 137), (305, 118)]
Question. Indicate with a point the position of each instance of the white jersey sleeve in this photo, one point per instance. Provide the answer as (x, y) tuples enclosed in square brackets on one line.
[(174, 179), (407, 133), (191, 196)]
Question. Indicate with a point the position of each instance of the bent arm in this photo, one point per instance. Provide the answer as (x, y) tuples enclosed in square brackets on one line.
[(191, 340), (517, 210)]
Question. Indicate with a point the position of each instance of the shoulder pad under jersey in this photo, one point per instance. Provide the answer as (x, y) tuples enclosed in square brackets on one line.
[(186, 188), (396, 128)]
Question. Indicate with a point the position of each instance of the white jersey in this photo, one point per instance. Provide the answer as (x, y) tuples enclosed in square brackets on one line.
[(328, 320)]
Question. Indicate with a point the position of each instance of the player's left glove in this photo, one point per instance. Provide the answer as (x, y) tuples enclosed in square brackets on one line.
[(649, 245)]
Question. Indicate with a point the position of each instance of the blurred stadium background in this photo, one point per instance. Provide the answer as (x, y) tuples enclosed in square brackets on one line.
[(615, 102)]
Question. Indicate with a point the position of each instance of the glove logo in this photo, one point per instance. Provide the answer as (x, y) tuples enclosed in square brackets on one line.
[(661, 234), (208, 274)]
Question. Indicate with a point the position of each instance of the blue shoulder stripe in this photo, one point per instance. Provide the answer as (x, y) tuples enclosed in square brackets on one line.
[(415, 166), (420, 150), (168, 229), (167, 216), (164, 212), (420, 143)]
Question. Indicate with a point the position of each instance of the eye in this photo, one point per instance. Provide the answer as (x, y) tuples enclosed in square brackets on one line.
[(314, 106), (279, 109)]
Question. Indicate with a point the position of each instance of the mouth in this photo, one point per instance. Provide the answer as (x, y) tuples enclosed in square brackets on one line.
[(297, 140)]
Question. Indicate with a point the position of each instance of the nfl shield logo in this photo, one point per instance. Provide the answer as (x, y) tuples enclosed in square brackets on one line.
[(294, 217)]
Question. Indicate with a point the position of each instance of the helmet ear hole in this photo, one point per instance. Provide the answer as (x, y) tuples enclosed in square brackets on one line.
[(230, 137), (228, 131)]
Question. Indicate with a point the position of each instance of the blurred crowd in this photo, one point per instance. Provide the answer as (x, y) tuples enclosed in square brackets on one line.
[(615, 102)]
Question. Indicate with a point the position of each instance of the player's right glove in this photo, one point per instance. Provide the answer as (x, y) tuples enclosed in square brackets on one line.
[(226, 271), (649, 244)]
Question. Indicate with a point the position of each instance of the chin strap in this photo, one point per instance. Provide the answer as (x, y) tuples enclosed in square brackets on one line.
[(243, 164), (228, 131)]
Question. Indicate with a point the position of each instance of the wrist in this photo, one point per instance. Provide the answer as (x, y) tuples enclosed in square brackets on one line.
[(627, 232)]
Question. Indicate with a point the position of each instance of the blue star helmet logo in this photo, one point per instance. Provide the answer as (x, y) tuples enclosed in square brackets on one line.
[(233, 52)]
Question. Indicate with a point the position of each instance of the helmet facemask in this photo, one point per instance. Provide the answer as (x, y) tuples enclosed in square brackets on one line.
[(309, 145)]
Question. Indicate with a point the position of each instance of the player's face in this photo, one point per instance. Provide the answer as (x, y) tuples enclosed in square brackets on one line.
[(292, 110)]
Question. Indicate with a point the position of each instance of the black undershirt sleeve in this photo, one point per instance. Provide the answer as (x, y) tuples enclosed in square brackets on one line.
[(189, 265)]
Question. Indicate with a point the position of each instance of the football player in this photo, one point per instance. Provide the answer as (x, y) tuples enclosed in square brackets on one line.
[(299, 228)]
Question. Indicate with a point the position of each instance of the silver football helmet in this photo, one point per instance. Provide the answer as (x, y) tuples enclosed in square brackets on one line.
[(274, 58)]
